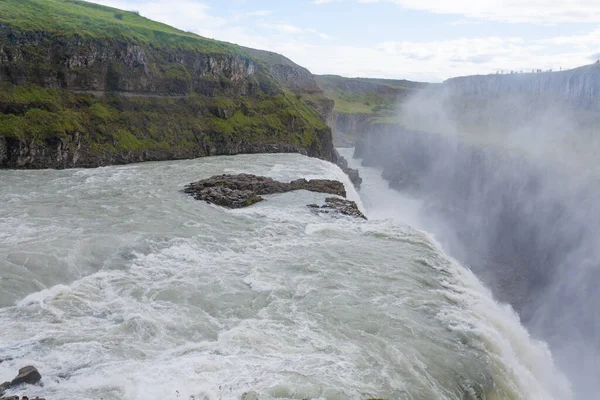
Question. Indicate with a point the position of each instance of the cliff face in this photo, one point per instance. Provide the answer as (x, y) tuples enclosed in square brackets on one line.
[(528, 230), (509, 188), (504, 192), (347, 128), (579, 87), (546, 106), (514, 221), (127, 89), (76, 63)]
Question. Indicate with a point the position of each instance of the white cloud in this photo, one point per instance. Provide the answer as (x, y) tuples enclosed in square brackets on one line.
[(292, 29), (426, 60), (481, 55), (591, 39), (188, 15), (284, 28), (258, 13), (538, 11), (320, 34)]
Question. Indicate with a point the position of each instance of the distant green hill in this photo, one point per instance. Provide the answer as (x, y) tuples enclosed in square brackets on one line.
[(365, 95), (362, 102), (85, 85)]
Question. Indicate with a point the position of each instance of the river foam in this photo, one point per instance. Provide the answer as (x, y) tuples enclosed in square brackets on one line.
[(118, 286)]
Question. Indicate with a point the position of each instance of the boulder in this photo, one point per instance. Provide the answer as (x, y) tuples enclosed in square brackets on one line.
[(338, 206), (243, 190), (28, 374), (243, 182), (226, 197)]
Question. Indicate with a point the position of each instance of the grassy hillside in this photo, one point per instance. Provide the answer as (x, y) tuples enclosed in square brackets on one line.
[(98, 80), (151, 123), (75, 17)]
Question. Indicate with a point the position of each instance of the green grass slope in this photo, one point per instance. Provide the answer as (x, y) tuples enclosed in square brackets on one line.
[(365, 95), (361, 102), (75, 17)]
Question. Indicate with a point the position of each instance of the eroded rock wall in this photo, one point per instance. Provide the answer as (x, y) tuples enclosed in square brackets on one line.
[(156, 102)]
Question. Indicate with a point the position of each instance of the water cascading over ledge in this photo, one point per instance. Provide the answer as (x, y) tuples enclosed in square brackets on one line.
[(525, 227)]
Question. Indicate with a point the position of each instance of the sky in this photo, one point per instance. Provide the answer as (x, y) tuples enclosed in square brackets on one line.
[(423, 40)]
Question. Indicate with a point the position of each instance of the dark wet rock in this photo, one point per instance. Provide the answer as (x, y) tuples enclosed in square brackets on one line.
[(354, 177), (3, 387), (351, 172), (226, 197), (338, 206), (21, 398), (243, 190), (28, 374), (320, 186)]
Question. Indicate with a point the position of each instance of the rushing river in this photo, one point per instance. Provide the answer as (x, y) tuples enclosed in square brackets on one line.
[(116, 285)]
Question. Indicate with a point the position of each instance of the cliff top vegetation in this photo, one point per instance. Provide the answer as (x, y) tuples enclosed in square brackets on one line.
[(75, 17), (366, 95)]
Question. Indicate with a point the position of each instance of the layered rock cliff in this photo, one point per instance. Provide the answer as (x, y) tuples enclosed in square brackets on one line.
[(548, 107), (514, 221), (83, 85), (579, 86)]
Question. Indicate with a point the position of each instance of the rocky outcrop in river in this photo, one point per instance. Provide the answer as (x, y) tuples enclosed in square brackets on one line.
[(27, 375), (338, 206), (243, 190)]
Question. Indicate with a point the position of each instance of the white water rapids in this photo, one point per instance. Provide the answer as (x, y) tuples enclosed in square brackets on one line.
[(116, 285)]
